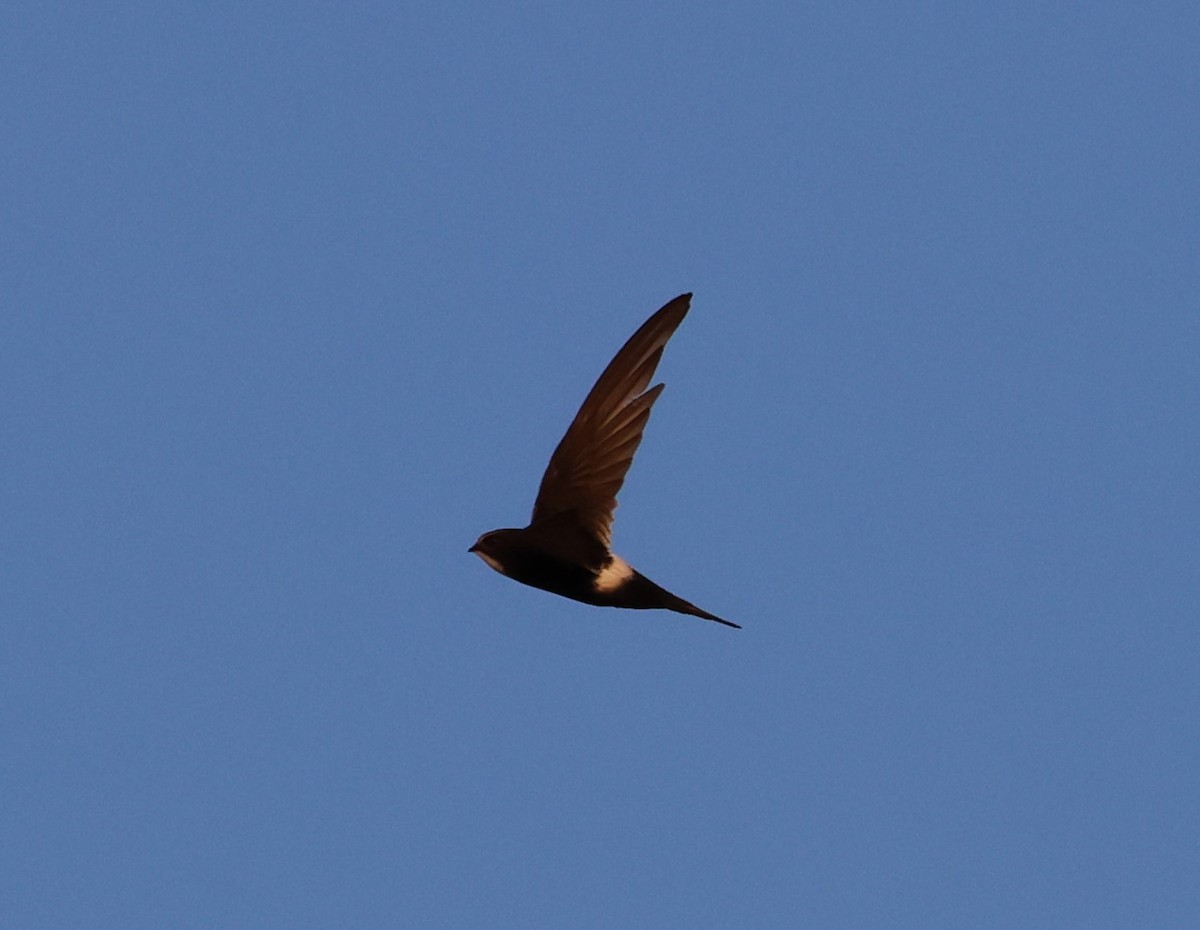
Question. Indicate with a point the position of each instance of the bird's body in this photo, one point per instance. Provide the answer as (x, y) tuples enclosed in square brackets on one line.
[(566, 549)]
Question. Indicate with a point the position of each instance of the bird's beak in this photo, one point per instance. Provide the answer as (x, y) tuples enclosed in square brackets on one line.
[(473, 548)]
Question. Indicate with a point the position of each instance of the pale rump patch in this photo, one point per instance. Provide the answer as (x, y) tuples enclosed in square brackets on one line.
[(613, 575)]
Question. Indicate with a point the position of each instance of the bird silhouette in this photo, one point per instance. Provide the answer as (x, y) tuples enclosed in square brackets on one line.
[(567, 547)]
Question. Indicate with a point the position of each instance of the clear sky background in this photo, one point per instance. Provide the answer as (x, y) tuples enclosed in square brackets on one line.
[(297, 299)]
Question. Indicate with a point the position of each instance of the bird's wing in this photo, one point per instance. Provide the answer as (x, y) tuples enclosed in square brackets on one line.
[(588, 467)]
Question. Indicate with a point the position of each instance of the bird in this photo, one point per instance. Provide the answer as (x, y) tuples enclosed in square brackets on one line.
[(567, 547)]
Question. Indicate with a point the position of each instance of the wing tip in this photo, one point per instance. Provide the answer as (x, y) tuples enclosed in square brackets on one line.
[(683, 300)]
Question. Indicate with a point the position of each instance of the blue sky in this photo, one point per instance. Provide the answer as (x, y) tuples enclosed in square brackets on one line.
[(295, 302)]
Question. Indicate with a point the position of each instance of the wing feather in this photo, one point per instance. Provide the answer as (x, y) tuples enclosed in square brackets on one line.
[(589, 465)]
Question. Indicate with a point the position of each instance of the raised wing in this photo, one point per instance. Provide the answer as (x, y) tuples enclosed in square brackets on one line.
[(588, 467)]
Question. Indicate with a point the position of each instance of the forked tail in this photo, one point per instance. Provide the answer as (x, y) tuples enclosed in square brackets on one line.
[(655, 596)]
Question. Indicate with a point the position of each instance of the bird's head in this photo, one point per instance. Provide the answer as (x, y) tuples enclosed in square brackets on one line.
[(491, 548)]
